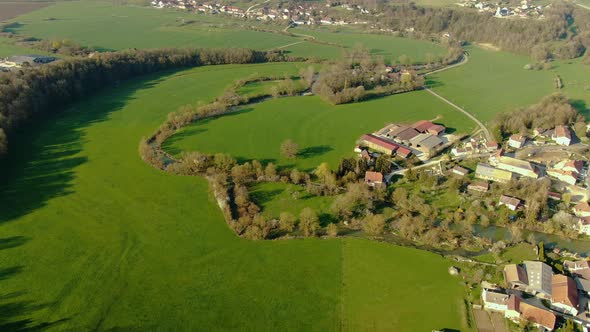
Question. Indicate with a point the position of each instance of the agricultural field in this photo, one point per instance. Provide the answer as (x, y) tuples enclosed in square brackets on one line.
[(92, 238), (325, 133), (106, 27), (493, 82), (576, 83), (11, 9)]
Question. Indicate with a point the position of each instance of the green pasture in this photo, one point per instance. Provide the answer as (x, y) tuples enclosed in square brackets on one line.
[(575, 77), (493, 82), (8, 47), (275, 198), (389, 47), (325, 133), (92, 238)]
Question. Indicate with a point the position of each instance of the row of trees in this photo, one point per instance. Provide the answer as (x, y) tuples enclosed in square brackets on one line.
[(358, 75), (28, 94), (563, 23)]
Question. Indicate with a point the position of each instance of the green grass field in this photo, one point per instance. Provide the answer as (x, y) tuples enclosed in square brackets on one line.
[(493, 82), (107, 27), (275, 198), (92, 238), (8, 47), (384, 45), (325, 133)]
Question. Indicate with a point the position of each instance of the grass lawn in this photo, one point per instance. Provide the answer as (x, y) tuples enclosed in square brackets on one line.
[(275, 198), (493, 82), (325, 133), (92, 238)]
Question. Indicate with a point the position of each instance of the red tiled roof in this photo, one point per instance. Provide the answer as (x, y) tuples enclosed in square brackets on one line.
[(422, 125), (564, 290), (514, 303), (537, 315), (403, 152), (436, 128), (381, 142), (562, 131), (504, 199), (373, 177)]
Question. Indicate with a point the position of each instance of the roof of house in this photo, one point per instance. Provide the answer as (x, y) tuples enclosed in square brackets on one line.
[(479, 184), (380, 141), (404, 152), (537, 315), (514, 303), (564, 290), (518, 138), (509, 200), (430, 141), (436, 128), (571, 165), (515, 273), (422, 125), (492, 144), (582, 284), (461, 170), (562, 132), (495, 297), (516, 163), (486, 170), (385, 130), (583, 207), (539, 276), (373, 177), (406, 134), (577, 265), (554, 195)]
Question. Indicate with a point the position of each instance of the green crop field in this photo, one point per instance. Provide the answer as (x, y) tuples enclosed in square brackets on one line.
[(493, 82), (92, 238), (325, 133)]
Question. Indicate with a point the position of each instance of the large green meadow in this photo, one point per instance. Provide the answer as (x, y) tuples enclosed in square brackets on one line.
[(92, 238), (325, 133), (495, 81)]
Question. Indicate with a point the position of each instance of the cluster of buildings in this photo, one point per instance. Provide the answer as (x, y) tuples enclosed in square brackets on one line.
[(504, 169), (422, 138), (299, 14), (560, 135), (524, 9), (474, 146), (538, 295), (19, 61)]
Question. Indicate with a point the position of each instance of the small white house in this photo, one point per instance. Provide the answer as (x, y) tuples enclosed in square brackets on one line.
[(562, 135), (517, 141)]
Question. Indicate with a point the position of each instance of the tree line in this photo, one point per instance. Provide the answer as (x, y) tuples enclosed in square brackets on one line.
[(27, 94), (564, 32)]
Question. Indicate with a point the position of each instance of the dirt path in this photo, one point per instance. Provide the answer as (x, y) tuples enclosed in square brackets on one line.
[(463, 61), (288, 45)]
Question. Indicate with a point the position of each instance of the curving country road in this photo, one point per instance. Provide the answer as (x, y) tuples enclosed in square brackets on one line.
[(463, 61)]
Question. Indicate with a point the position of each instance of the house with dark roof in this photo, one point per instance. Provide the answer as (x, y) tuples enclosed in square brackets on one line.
[(23, 60), (494, 301), (461, 171), (539, 277), (424, 126)]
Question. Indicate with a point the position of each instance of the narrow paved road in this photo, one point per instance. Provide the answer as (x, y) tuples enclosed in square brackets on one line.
[(484, 129)]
